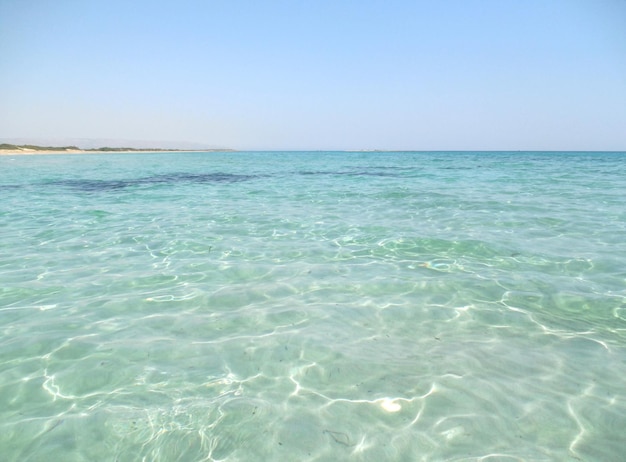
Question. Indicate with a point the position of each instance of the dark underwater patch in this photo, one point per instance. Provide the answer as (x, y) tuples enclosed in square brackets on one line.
[(356, 173), (173, 178)]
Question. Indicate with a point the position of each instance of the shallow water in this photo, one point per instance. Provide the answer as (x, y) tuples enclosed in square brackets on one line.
[(313, 306)]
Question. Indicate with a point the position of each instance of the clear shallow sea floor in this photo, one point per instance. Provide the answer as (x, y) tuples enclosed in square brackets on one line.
[(313, 306)]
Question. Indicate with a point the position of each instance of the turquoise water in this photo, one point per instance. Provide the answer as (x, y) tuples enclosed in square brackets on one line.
[(313, 306)]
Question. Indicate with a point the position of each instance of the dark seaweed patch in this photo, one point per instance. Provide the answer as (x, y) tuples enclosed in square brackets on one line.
[(173, 178), (355, 173), (8, 187), (92, 185)]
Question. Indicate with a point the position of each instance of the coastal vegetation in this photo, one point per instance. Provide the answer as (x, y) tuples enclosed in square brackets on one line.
[(31, 147)]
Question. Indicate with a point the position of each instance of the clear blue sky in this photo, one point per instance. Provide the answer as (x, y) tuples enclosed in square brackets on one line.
[(317, 74)]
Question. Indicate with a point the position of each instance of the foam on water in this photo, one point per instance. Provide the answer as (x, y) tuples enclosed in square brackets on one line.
[(313, 306)]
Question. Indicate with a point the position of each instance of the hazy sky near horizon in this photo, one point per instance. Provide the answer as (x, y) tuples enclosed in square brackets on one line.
[(395, 74)]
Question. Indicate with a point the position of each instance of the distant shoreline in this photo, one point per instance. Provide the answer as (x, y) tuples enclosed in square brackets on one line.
[(12, 150)]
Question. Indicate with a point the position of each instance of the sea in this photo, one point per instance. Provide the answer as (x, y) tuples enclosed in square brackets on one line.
[(313, 306)]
